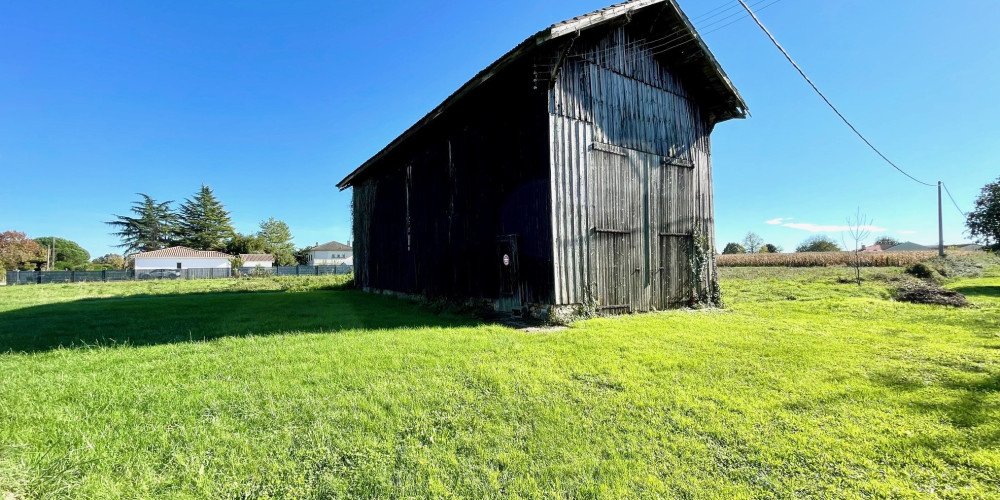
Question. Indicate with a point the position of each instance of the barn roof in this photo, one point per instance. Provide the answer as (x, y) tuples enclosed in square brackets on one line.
[(185, 252), (702, 63)]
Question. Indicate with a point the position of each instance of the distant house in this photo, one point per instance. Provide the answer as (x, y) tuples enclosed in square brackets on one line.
[(873, 248), (331, 254), (181, 258), (909, 246), (257, 260)]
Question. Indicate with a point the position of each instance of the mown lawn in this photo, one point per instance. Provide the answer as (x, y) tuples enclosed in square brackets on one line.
[(803, 386)]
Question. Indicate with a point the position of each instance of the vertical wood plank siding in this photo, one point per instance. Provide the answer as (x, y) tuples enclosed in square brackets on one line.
[(631, 178), (427, 221)]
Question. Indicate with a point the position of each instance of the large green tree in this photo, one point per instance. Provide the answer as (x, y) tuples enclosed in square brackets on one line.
[(68, 254), (110, 261), (733, 247), (277, 241), (152, 226), (818, 243), (17, 251), (244, 243), (204, 222), (983, 221)]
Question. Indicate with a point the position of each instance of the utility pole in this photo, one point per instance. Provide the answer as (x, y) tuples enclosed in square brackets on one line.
[(940, 225)]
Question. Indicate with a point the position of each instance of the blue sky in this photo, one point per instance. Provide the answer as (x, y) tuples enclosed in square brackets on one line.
[(272, 103)]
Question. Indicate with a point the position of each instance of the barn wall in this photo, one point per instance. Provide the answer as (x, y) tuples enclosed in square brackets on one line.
[(631, 178), (427, 217)]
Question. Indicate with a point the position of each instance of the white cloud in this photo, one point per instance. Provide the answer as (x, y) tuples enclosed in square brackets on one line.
[(902, 231), (817, 228)]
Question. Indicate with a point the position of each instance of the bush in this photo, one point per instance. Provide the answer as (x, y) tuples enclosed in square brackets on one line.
[(923, 270), (733, 248)]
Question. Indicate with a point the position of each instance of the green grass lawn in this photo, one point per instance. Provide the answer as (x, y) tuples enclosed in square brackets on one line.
[(299, 388)]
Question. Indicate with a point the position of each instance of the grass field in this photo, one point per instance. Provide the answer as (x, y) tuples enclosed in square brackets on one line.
[(802, 386)]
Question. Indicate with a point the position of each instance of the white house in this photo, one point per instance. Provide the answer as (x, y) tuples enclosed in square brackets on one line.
[(181, 258), (257, 260), (331, 254)]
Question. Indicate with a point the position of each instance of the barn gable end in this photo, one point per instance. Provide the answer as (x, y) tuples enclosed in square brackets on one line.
[(575, 169)]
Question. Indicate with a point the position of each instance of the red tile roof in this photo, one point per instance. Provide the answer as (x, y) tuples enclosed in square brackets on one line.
[(256, 257), (184, 252)]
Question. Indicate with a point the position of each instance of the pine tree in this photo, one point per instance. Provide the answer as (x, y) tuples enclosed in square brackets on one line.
[(204, 222), (277, 241), (153, 227)]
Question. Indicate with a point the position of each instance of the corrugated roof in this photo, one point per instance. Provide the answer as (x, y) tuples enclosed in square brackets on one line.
[(331, 246), (185, 252), (716, 79), (256, 257)]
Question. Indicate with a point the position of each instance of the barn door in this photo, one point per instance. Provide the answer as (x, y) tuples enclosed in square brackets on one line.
[(510, 285), (618, 264), (674, 222)]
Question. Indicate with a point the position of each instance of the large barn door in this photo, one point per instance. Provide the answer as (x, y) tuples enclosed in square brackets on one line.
[(618, 205), (674, 223)]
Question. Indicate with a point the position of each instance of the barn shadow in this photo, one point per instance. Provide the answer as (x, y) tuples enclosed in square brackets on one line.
[(142, 320), (979, 291)]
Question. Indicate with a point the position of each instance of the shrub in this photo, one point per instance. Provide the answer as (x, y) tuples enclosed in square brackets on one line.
[(733, 248)]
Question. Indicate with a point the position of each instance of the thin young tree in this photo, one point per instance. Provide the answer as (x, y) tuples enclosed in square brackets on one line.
[(752, 242), (204, 222), (859, 228), (152, 226)]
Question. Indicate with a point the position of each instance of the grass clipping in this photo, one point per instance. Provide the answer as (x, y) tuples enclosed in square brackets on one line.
[(926, 292)]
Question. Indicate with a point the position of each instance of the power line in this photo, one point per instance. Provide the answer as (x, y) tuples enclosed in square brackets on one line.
[(964, 214), (834, 108)]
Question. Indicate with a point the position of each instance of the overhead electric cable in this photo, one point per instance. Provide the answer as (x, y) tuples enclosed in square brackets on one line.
[(964, 214), (834, 108)]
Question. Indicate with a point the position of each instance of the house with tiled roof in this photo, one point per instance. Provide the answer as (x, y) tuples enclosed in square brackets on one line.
[(257, 260), (332, 253), (181, 258)]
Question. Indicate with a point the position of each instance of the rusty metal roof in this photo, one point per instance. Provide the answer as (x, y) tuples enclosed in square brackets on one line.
[(184, 252), (715, 77)]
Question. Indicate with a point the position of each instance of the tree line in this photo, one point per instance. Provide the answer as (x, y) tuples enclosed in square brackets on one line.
[(201, 222)]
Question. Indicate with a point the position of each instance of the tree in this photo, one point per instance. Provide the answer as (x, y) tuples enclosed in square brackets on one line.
[(302, 256), (68, 255), (244, 243), (153, 227), (277, 241), (733, 247), (110, 261), (17, 250), (886, 242), (770, 248), (983, 222), (204, 222), (818, 243), (752, 242), (859, 229)]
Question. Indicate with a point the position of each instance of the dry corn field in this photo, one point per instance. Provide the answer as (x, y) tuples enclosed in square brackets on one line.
[(816, 259)]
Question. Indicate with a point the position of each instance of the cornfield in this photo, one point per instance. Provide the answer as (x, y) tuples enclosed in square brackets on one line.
[(820, 259)]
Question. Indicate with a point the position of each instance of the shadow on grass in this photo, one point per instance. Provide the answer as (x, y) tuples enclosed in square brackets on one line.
[(978, 291), (160, 319)]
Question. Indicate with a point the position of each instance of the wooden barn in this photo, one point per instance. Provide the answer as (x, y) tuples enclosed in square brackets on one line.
[(574, 171)]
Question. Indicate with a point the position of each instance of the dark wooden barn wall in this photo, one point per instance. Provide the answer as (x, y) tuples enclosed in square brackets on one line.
[(427, 219), (631, 178)]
